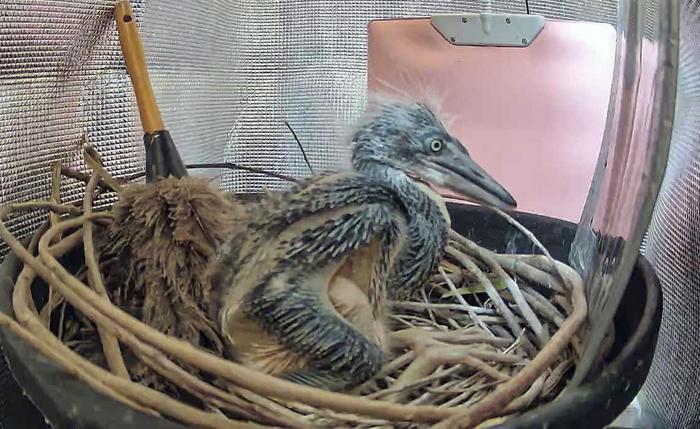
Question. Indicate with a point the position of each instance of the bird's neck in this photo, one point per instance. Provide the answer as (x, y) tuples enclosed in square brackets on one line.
[(429, 224), (403, 186), (418, 197)]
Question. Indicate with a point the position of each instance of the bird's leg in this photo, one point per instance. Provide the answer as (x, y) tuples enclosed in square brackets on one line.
[(337, 355)]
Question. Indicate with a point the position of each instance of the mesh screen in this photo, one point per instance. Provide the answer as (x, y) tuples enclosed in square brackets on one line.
[(671, 392), (306, 63), (226, 75)]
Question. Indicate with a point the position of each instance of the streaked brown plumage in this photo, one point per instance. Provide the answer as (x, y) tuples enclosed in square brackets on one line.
[(279, 317), (303, 288)]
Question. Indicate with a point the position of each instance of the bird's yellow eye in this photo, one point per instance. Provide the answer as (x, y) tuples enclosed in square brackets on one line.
[(436, 145)]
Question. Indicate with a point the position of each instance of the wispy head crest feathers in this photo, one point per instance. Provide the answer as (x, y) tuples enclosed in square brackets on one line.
[(405, 87)]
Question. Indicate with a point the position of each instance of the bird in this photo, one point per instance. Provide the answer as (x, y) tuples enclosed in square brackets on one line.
[(303, 287)]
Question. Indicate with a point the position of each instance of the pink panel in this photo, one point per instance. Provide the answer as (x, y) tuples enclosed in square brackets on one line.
[(533, 117)]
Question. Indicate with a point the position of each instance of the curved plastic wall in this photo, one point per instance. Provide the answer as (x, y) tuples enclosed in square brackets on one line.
[(631, 163)]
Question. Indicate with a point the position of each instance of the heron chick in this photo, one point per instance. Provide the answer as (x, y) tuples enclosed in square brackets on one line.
[(304, 288)]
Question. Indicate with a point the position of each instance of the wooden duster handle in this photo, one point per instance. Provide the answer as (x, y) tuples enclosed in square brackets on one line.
[(132, 50)]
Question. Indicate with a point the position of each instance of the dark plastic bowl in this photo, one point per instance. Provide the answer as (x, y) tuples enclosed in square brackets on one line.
[(68, 403)]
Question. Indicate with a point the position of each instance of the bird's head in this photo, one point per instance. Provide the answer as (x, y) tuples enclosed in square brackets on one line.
[(408, 136)]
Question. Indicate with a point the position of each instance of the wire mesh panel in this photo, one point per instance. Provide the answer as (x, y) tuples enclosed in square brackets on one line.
[(671, 393), (226, 75), (59, 77), (305, 62)]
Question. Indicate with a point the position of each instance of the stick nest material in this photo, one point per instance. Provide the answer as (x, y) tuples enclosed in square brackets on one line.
[(490, 335)]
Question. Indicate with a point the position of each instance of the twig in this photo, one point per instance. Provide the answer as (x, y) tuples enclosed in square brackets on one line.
[(556, 375), (410, 305), (528, 397), (543, 306), (55, 194), (269, 408), (520, 300), (208, 393), (110, 345), (53, 298), (431, 313), (465, 304), (84, 177), (430, 358), (407, 338), (86, 301), (490, 290), (492, 404), (92, 159), (399, 388), (469, 392), (516, 266), (524, 230), (61, 319), (392, 366)]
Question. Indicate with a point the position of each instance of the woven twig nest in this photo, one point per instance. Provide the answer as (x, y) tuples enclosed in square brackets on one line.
[(489, 336)]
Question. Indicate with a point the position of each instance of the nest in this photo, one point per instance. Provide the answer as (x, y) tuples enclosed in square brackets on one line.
[(491, 334)]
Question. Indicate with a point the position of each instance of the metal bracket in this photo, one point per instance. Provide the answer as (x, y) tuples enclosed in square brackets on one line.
[(489, 29)]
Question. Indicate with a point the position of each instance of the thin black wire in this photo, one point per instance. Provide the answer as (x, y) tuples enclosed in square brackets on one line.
[(301, 148), (232, 166), (527, 7)]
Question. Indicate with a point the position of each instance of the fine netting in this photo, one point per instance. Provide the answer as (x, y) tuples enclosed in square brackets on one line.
[(226, 77), (671, 393)]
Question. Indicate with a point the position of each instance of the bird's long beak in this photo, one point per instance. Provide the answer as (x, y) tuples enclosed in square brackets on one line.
[(460, 174)]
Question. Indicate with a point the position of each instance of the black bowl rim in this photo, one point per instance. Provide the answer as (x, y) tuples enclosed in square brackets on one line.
[(614, 388), (589, 396)]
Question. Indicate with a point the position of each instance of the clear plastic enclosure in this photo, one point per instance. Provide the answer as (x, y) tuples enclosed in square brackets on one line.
[(632, 160)]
